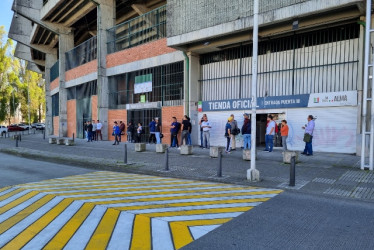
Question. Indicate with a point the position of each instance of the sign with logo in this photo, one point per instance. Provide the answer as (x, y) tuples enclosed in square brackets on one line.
[(333, 99), (142, 98), (346, 98), (143, 84), (200, 106)]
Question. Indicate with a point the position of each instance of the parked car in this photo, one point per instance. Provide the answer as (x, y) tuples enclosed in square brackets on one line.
[(25, 126), (3, 130), (40, 126), (15, 127)]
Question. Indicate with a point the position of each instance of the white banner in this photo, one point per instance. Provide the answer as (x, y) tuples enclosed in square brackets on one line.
[(333, 99)]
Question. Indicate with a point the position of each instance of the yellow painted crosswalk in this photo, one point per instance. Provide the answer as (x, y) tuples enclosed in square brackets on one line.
[(107, 210)]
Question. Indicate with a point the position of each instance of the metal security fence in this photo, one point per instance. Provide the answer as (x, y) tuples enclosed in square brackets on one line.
[(143, 29), (55, 71), (165, 86), (83, 53), (320, 61)]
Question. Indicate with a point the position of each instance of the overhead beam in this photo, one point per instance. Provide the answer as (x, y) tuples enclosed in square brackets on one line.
[(82, 12)]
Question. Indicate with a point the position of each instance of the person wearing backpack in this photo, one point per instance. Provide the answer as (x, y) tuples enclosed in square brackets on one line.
[(246, 132), (234, 132)]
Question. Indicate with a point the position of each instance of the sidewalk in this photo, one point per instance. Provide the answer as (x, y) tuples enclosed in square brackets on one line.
[(323, 173)]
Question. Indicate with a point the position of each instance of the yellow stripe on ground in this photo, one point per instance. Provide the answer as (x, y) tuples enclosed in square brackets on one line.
[(5, 188), (103, 232), (197, 196), (205, 191), (69, 229), (181, 234), (199, 211), (198, 203), (5, 225), (192, 223), (30, 232), (141, 234), (17, 201), (10, 194)]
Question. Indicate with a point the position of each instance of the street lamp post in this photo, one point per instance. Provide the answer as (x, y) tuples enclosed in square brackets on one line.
[(253, 174)]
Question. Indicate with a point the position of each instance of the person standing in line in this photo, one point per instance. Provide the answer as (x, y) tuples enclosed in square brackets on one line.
[(270, 132), (284, 133), (121, 129), (228, 134), (246, 132), (130, 132), (309, 128), (234, 132), (89, 131), (85, 130), (186, 126), (174, 129), (206, 130), (189, 141), (158, 130), (116, 133), (152, 130), (99, 126), (201, 131), (94, 128), (139, 132)]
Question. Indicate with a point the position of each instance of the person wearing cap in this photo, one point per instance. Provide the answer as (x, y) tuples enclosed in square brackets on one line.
[(309, 128), (246, 132), (228, 134), (234, 132), (206, 132), (270, 132)]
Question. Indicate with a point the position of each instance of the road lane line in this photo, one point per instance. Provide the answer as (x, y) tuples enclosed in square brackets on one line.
[(161, 235), (6, 190), (68, 230), (141, 234), (85, 231), (16, 202), (30, 232), (22, 211), (121, 236), (199, 231), (11, 196), (24, 219), (199, 211), (103, 232), (181, 235), (42, 238), (200, 217)]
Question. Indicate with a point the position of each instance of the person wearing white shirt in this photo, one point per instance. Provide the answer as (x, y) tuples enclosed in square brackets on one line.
[(99, 126), (270, 132), (206, 126)]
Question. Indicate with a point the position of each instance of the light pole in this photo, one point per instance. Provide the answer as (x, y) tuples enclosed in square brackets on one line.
[(253, 174), (28, 101)]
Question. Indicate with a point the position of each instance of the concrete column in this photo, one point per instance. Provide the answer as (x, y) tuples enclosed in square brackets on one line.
[(194, 95), (105, 20), (66, 43), (50, 59)]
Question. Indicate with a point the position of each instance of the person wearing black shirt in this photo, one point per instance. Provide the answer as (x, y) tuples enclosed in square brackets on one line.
[(186, 128), (89, 131), (130, 132)]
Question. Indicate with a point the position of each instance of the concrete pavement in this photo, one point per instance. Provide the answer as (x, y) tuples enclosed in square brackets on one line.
[(324, 173)]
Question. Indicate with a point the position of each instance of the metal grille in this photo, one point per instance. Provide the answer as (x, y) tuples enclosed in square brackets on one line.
[(144, 116), (84, 90), (83, 53), (55, 71), (315, 62), (143, 29), (167, 86)]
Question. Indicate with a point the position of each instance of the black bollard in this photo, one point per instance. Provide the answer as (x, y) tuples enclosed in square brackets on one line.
[(125, 155), (34, 131), (219, 171), (167, 159), (43, 134), (16, 141), (73, 136), (292, 171), (20, 138)]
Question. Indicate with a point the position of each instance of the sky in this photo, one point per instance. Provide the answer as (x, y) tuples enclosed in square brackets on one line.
[(6, 13)]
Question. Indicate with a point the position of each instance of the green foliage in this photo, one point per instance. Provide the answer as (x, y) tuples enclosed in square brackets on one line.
[(18, 85)]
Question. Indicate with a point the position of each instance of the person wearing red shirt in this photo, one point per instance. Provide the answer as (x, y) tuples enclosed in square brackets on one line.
[(284, 134)]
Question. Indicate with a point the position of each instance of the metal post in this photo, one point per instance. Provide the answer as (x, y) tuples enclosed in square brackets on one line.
[(167, 159), (365, 84), (17, 141), (20, 138), (73, 136), (219, 171), (253, 174), (43, 134), (125, 155), (292, 171)]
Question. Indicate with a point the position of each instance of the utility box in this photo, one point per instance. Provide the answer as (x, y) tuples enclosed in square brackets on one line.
[(186, 150)]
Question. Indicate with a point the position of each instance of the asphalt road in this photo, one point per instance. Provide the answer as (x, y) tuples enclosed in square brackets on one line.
[(16, 170)]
